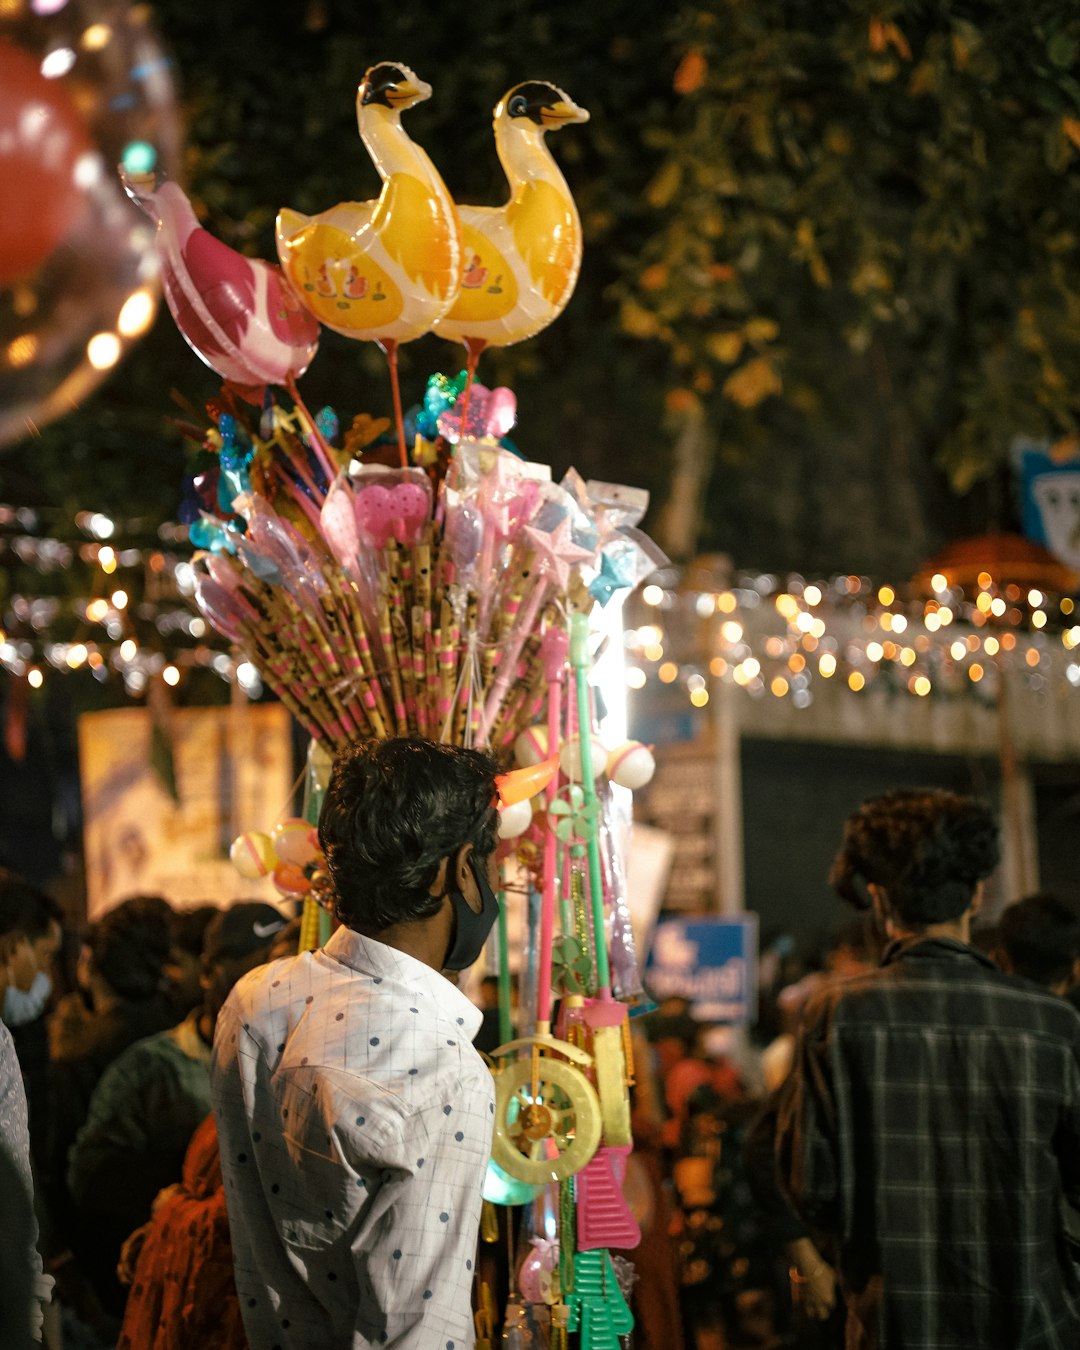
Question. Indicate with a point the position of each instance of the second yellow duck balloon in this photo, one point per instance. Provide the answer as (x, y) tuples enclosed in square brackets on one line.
[(521, 259)]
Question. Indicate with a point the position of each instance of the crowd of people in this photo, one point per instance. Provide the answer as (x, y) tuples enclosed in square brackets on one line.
[(211, 1140), (105, 1067)]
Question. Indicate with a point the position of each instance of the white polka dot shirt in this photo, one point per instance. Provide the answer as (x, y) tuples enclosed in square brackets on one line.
[(354, 1118)]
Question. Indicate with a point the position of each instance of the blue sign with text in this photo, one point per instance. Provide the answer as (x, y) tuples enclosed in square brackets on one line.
[(710, 961)]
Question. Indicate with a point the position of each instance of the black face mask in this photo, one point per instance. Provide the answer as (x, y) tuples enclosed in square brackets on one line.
[(471, 929)]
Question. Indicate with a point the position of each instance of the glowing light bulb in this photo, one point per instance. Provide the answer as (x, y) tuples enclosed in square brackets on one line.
[(103, 351), (137, 314)]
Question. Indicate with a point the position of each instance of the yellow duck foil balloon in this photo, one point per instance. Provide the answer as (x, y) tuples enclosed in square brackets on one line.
[(380, 271), (522, 259)]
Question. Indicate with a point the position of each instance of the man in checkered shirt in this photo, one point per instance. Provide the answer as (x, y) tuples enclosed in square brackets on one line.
[(931, 1122)]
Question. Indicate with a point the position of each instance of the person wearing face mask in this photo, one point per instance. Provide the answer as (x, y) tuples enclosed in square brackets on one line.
[(30, 933), (354, 1114)]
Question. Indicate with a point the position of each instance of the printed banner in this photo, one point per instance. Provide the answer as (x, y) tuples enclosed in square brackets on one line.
[(232, 770)]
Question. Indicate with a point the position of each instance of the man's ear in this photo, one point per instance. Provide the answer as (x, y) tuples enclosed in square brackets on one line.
[(879, 904), (977, 898), (463, 877)]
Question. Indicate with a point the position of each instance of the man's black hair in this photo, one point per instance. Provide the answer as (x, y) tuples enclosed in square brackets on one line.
[(130, 946), (25, 909), (393, 810), (927, 849), (1040, 936)]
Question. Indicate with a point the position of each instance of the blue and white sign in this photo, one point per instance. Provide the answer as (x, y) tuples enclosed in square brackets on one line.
[(710, 961), (1051, 490)]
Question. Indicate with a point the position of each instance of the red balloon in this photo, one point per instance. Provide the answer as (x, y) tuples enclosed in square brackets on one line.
[(42, 137)]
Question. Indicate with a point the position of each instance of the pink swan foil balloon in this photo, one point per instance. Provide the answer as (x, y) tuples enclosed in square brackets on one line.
[(238, 314)]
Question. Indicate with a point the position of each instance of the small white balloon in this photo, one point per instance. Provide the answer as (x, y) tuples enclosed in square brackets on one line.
[(631, 764), (570, 758), (295, 841), (252, 854), (515, 819), (531, 746)]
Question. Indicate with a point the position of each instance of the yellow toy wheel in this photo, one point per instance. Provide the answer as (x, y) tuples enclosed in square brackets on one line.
[(547, 1120)]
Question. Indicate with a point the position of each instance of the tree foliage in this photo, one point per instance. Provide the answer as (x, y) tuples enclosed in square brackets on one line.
[(842, 234), (865, 231)]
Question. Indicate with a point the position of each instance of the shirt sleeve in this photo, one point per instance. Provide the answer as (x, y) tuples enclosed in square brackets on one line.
[(16, 1139), (1067, 1136), (416, 1256), (807, 1139)]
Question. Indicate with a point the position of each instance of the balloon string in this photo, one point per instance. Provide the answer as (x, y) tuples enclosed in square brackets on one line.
[(322, 450), (390, 347), (292, 792)]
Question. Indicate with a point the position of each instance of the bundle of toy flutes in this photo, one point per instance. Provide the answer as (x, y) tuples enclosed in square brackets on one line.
[(379, 601)]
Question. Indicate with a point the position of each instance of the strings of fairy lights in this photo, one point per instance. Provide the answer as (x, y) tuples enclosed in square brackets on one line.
[(779, 637), (767, 635), (133, 618)]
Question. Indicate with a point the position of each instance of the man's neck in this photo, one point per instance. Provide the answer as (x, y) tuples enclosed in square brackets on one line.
[(959, 930), (424, 941)]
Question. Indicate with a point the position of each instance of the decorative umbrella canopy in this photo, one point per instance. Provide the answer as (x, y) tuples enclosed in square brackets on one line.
[(1004, 557)]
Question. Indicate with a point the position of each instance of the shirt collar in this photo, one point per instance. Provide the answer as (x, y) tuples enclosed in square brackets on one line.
[(376, 959), (186, 1035), (939, 947)]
